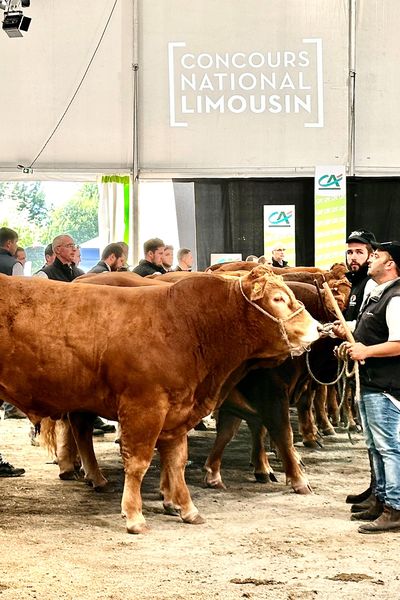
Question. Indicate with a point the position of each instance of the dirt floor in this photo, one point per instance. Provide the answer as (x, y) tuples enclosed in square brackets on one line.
[(62, 540)]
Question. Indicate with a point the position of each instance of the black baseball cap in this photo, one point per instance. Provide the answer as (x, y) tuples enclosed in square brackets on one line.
[(393, 248), (361, 235)]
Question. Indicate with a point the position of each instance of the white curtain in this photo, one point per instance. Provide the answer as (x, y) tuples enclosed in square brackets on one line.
[(111, 213)]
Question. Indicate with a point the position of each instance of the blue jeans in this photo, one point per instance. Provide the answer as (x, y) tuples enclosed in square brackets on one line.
[(381, 423)]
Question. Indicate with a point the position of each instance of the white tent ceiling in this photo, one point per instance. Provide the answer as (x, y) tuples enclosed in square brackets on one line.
[(39, 75)]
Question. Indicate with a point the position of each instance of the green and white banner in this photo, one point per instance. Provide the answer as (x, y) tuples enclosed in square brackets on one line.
[(279, 230), (330, 215)]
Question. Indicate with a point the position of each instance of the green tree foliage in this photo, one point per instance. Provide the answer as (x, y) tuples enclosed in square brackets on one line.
[(79, 216), (31, 201)]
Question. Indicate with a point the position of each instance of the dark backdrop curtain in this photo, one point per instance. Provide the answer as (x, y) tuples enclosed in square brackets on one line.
[(374, 203), (229, 215)]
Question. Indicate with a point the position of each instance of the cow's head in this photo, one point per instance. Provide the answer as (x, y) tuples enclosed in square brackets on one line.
[(277, 304)]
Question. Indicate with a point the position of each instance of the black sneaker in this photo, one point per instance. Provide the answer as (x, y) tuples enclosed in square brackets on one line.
[(7, 470), (105, 427)]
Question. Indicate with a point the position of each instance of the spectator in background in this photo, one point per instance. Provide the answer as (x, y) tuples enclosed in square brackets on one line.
[(153, 256), (112, 259), (252, 258), (49, 257), (168, 258), (9, 265), (77, 256), (263, 260), (185, 260), (63, 267), (125, 253), (278, 256), (20, 255)]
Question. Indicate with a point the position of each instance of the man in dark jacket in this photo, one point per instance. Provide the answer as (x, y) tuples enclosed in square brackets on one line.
[(9, 265), (278, 256), (112, 259), (377, 336), (63, 267), (153, 258), (358, 253)]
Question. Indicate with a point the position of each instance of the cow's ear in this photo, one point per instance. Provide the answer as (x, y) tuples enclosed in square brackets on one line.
[(257, 289), (259, 271)]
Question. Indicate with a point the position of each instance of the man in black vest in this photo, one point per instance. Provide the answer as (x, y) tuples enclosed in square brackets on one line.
[(9, 265), (112, 259), (358, 253), (377, 336), (151, 264), (63, 267)]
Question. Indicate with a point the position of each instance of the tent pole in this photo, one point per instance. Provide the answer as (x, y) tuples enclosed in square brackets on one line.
[(135, 140), (352, 85)]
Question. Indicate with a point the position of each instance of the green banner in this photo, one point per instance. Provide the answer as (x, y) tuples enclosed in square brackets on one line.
[(330, 215)]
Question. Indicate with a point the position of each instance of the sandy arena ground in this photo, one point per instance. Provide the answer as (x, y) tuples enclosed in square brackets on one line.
[(62, 540)]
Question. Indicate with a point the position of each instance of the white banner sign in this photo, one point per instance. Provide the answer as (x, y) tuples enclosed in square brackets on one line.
[(279, 230), (262, 80)]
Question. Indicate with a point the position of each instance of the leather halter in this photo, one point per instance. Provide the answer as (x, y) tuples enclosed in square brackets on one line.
[(280, 322)]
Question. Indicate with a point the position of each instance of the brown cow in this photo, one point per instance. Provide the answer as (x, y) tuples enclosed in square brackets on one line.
[(108, 352)]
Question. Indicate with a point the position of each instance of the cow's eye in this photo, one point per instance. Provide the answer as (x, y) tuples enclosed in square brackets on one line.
[(278, 298)]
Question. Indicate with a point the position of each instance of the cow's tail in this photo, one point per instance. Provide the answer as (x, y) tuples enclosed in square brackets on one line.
[(48, 435)]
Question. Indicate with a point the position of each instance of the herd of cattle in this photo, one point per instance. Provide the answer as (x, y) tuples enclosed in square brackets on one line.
[(160, 354)]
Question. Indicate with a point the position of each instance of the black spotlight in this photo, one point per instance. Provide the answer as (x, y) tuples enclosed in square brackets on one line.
[(15, 23)]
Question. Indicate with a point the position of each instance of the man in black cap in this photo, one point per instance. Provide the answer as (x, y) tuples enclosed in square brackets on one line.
[(359, 251), (377, 336)]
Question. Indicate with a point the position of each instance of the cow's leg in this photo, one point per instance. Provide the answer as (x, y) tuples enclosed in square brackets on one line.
[(82, 428), (66, 449), (347, 408), (263, 471), (307, 425), (227, 427), (277, 420), (173, 455), (320, 404), (139, 435), (333, 406)]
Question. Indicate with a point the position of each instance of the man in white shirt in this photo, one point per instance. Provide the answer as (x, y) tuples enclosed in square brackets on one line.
[(377, 335)]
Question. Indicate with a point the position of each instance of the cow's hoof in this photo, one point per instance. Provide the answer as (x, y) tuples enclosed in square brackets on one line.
[(138, 528), (304, 490), (171, 510), (261, 477), (69, 476), (216, 484), (197, 520), (312, 443), (328, 431)]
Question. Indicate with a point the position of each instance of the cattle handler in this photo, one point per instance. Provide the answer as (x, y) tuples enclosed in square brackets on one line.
[(377, 335)]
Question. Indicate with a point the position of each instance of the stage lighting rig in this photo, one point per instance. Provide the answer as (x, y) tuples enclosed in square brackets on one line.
[(15, 22)]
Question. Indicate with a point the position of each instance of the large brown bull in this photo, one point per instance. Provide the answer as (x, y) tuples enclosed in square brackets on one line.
[(108, 351)]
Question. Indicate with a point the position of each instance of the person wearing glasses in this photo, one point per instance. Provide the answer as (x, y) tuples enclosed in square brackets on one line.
[(63, 267), (278, 256)]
